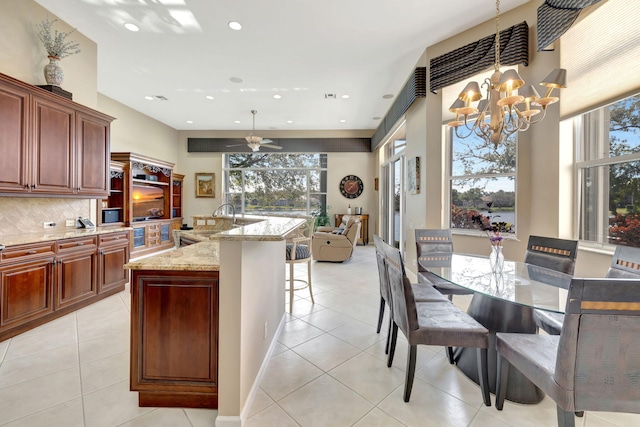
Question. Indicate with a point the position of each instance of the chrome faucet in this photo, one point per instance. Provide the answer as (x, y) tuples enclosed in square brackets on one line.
[(233, 211)]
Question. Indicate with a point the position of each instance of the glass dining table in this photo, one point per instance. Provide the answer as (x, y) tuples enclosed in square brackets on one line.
[(503, 301)]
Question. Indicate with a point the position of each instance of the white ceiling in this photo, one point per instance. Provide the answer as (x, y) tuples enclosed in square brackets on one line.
[(299, 49)]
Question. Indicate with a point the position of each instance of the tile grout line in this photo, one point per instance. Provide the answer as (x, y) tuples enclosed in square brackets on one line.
[(84, 414)]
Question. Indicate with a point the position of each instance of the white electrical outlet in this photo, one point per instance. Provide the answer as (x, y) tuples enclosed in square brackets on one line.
[(266, 328), (70, 223), (49, 224)]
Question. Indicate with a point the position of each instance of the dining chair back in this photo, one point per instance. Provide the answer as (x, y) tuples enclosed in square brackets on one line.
[(552, 253), (430, 323), (593, 364), (625, 263), (298, 250), (434, 248), (385, 293)]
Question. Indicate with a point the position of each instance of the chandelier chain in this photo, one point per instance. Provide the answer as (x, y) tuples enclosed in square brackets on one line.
[(497, 64)]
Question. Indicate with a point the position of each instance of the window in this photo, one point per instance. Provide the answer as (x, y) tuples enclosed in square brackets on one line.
[(608, 163), (482, 182), (266, 183)]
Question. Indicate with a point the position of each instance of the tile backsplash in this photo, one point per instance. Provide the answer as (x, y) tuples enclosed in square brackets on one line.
[(27, 215)]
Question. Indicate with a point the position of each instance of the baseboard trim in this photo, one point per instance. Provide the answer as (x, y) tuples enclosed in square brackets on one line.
[(226, 421)]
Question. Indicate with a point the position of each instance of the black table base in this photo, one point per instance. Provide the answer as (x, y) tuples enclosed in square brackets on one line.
[(500, 316)]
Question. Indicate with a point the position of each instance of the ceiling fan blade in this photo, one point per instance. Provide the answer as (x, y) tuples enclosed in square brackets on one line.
[(277, 147), (266, 141)]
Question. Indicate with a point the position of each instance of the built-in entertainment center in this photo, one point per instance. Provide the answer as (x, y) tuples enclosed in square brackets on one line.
[(142, 196)]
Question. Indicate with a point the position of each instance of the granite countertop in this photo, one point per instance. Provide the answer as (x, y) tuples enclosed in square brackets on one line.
[(203, 256), (52, 235)]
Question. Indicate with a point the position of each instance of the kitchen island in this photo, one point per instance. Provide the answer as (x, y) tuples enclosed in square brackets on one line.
[(204, 316)]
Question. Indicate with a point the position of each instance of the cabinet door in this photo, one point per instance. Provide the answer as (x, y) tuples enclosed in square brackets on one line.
[(13, 139), (93, 155), (54, 154), (76, 278), (112, 271), (25, 291)]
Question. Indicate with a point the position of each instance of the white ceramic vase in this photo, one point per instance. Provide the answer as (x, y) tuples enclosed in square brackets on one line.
[(53, 73)]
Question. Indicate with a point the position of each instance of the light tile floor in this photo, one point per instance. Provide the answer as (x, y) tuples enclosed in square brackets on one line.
[(327, 369)]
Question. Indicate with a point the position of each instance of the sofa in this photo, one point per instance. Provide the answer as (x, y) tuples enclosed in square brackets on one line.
[(336, 244)]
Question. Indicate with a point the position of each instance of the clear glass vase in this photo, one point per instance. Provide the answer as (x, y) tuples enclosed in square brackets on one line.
[(496, 259)]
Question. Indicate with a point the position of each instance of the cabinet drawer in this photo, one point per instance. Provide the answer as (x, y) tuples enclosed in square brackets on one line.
[(22, 253), (79, 243), (113, 239)]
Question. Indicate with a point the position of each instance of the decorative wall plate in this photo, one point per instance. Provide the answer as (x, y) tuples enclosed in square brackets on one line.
[(351, 186)]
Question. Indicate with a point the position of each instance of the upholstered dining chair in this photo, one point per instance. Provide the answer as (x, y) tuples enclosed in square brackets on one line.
[(554, 254), (624, 264), (428, 242), (299, 251), (593, 364), (430, 323), (423, 292)]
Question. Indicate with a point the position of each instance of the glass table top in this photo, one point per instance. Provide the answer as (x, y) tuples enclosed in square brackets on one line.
[(521, 283)]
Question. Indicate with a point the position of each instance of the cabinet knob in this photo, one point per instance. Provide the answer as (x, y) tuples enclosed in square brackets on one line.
[(79, 243), (32, 252)]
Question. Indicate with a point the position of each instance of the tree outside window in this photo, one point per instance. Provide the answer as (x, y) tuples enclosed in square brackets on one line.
[(608, 150), (482, 182)]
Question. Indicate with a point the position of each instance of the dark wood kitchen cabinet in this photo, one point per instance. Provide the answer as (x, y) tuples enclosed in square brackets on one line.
[(53, 146), (77, 271), (113, 254), (26, 291), (174, 338), (43, 281)]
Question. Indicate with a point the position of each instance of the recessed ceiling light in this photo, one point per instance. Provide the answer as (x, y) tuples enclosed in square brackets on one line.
[(209, 97), (235, 25), (377, 118), (343, 121), (131, 27), (345, 96), (237, 121), (289, 121), (387, 96), (236, 79), (276, 96), (189, 121), (150, 98)]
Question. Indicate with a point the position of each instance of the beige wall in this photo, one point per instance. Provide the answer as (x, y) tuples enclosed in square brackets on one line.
[(23, 57), (135, 132)]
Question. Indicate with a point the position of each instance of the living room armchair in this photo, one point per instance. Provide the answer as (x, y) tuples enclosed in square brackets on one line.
[(335, 244)]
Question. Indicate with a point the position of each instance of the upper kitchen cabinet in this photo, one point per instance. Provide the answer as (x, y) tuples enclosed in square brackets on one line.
[(54, 146)]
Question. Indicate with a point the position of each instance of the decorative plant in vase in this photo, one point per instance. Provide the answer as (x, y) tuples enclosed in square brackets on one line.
[(57, 47), (494, 230)]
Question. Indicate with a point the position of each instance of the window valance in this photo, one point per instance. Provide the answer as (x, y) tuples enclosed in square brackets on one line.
[(469, 60), (555, 17)]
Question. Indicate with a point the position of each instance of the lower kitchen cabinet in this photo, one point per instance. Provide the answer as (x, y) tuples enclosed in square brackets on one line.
[(43, 281), (27, 292)]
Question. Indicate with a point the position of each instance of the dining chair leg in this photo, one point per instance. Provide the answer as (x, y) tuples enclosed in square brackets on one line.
[(502, 377), (483, 375), (449, 351), (392, 345), (290, 288), (309, 281), (380, 315), (565, 418), (386, 347), (411, 371)]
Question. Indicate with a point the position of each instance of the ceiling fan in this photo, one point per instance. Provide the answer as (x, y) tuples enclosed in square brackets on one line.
[(255, 142)]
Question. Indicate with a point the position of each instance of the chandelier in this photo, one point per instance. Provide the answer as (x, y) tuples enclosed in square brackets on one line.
[(503, 111)]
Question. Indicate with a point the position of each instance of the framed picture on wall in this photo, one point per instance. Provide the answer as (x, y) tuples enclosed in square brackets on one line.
[(413, 175), (205, 184)]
